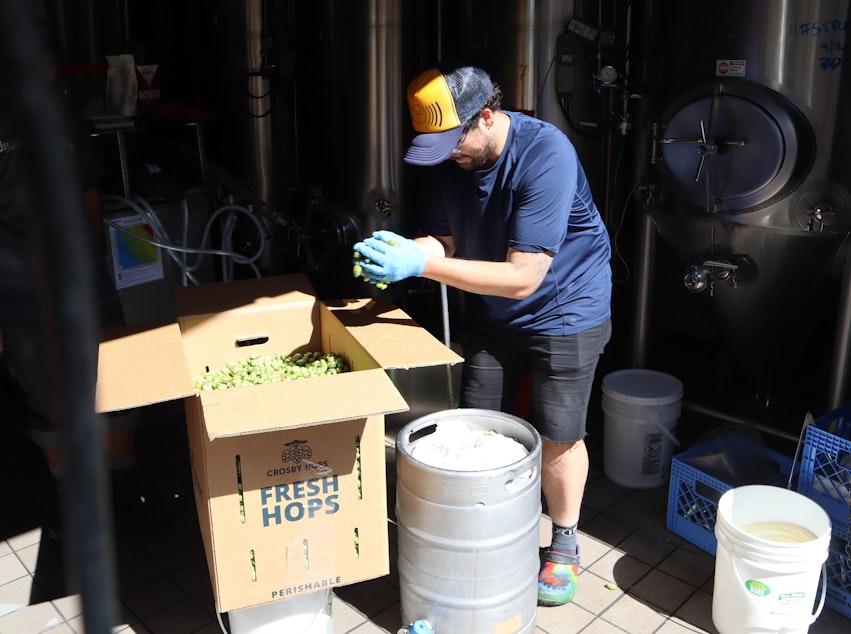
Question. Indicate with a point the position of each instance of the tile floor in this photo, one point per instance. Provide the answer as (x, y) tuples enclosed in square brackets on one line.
[(638, 577)]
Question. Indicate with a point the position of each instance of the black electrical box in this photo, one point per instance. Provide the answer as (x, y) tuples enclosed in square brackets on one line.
[(565, 63)]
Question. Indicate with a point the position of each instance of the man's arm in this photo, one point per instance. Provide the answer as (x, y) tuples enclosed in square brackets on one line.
[(516, 278), (390, 257)]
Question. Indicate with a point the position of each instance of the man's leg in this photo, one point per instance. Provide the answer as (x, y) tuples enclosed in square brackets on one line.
[(562, 379), (564, 470)]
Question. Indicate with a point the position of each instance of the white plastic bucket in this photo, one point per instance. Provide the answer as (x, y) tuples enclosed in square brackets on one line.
[(641, 409), (302, 614), (768, 585)]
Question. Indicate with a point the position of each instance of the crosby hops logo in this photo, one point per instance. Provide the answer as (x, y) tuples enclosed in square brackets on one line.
[(296, 451), (316, 494)]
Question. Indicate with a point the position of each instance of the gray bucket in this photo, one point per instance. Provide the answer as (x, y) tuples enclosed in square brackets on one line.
[(468, 540)]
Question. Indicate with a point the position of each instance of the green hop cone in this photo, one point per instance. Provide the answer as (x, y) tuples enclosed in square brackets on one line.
[(357, 271)]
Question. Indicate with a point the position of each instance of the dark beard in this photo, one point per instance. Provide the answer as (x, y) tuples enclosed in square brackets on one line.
[(481, 159), (478, 161)]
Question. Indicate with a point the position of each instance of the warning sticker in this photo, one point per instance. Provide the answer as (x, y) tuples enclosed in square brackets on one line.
[(730, 68)]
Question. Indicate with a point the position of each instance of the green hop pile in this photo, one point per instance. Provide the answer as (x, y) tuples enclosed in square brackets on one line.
[(258, 369), (357, 270)]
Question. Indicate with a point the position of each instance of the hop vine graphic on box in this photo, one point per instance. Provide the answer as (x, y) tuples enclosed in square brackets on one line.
[(296, 451)]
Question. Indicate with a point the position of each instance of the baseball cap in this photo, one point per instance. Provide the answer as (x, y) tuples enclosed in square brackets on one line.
[(441, 102)]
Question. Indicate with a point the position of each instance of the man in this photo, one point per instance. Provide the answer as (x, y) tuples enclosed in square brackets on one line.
[(516, 228)]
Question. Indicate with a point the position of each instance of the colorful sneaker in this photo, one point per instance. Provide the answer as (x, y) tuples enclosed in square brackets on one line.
[(557, 579)]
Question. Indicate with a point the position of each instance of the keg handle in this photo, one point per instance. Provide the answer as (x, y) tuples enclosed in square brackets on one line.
[(518, 482)]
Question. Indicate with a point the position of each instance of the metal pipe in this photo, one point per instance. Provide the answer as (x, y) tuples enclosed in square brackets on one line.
[(839, 374), (714, 413), (646, 241), (122, 160), (645, 230), (258, 102), (447, 340), (553, 14)]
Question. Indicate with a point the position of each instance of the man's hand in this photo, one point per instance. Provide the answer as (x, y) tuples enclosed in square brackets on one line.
[(391, 257)]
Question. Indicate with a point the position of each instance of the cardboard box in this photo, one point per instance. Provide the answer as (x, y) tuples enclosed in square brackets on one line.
[(290, 480)]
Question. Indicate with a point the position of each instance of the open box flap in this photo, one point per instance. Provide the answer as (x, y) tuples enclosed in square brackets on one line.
[(392, 337), (141, 365), (290, 404), (243, 295)]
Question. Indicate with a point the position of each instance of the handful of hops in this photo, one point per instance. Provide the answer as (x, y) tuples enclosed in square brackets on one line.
[(357, 271), (258, 369)]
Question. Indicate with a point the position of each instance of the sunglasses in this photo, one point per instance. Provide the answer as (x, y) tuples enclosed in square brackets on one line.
[(457, 149)]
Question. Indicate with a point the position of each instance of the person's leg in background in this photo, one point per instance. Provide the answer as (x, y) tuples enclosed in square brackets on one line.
[(23, 355)]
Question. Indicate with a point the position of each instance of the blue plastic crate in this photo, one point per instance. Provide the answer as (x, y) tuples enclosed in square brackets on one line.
[(838, 596), (826, 464), (693, 497), (825, 478)]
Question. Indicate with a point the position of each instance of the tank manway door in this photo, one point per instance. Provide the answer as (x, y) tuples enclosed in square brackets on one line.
[(732, 147)]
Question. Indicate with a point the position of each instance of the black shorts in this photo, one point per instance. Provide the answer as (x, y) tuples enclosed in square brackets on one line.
[(561, 370)]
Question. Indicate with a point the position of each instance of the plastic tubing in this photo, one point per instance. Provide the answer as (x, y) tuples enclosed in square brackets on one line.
[(164, 241)]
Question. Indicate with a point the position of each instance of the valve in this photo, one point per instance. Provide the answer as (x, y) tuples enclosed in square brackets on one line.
[(419, 626), (701, 276), (819, 217), (696, 278)]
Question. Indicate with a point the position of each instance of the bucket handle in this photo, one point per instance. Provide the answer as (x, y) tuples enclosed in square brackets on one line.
[(667, 432), (823, 591), (655, 420), (822, 576)]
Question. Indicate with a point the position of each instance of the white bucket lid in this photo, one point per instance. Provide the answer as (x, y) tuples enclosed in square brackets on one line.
[(642, 387)]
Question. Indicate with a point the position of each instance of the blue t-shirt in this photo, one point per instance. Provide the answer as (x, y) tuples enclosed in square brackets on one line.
[(535, 198)]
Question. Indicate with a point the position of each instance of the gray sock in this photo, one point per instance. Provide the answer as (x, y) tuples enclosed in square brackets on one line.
[(564, 539)]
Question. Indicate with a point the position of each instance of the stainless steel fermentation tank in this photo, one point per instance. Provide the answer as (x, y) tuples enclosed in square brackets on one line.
[(745, 172)]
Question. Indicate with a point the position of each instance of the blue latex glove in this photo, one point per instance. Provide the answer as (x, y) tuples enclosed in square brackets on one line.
[(391, 257)]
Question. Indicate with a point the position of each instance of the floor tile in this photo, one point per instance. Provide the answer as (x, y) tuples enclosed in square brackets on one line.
[(69, 607), (661, 590), (152, 598), (619, 568), (697, 612), (185, 616), (62, 628), (11, 568), (633, 616), (16, 595), (344, 616), (647, 547), (676, 627), (592, 594), (566, 618), (695, 568), (34, 619)]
